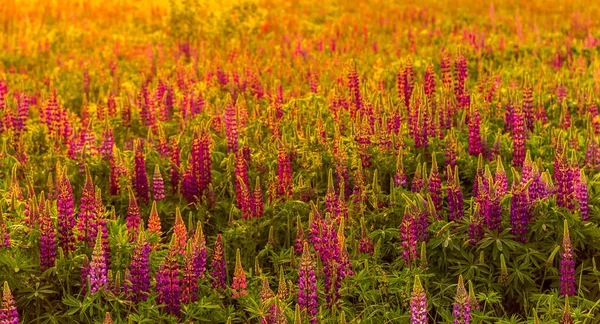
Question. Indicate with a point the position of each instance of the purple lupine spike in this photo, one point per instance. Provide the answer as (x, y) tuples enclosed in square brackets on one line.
[(300, 239), (417, 181), (189, 282), (139, 269), (500, 179), (519, 210), (141, 178), (99, 225), (408, 237), (133, 218), (518, 134), (418, 303), (581, 194), (8, 312), (592, 158), (476, 225), (158, 186), (462, 307), (168, 283), (528, 107), (435, 185), (98, 269), (567, 265), (47, 239), (455, 197), (231, 125), (219, 264), (475, 147), (199, 245), (307, 286), (87, 212), (65, 204)]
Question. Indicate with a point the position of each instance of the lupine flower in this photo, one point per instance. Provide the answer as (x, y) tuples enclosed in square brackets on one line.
[(417, 182), (231, 125), (107, 319), (408, 237), (418, 303), (87, 211), (98, 270), (133, 217), (47, 239), (141, 178), (158, 187), (283, 291), (518, 133), (139, 269), (519, 210), (265, 295), (219, 264), (455, 198), (239, 278), (462, 307), (475, 147), (189, 283), (8, 312), (435, 185), (472, 299), (567, 265), (154, 222), (307, 286), (99, 225), (65, 217), (199, 251), (476, 225), (581, 194), (168, 282), (179, 232)]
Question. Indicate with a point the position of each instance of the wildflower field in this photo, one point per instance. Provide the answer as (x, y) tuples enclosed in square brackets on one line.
[(301, 161)]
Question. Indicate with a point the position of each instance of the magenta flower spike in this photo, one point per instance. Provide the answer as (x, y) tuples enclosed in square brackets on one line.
[(65, 217), (8, 311), (462, 307), (141, 178), (139, 269), (168, 282), (418, 303), (158, 186), (567, 265), (219, 265), (98, 268), (307, 286)]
